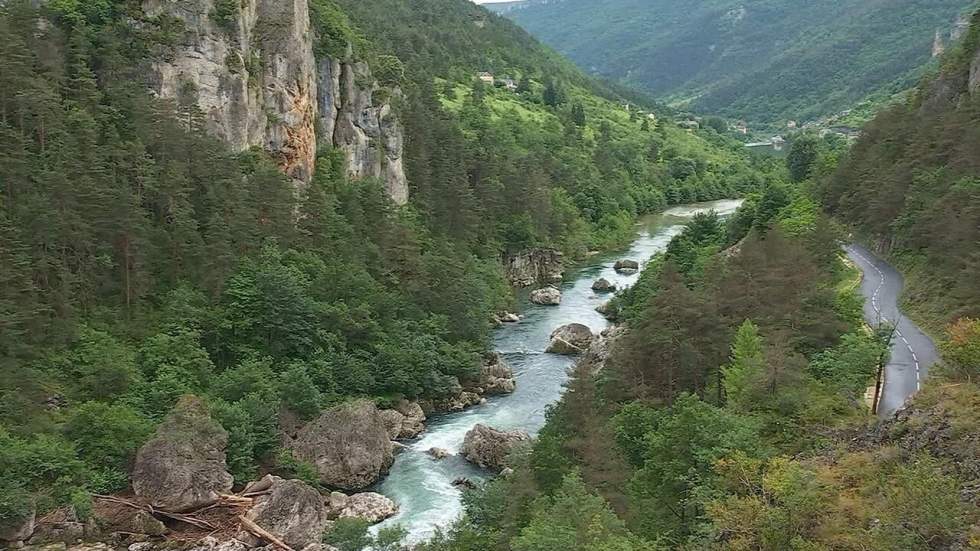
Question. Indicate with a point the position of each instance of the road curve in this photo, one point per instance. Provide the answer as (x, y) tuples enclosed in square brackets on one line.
[(912, 351)]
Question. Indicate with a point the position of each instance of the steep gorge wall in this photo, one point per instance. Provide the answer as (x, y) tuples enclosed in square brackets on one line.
[(251, 69)]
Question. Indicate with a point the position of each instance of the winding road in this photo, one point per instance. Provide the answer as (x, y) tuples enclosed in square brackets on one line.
[(912, 351)]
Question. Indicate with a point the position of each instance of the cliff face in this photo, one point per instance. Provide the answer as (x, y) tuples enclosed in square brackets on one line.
[(364, 128), (249, 64)]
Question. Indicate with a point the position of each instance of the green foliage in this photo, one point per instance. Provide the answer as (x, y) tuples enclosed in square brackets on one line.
[(351, 534), (574, 518), (802, 156), (225, 14), (681, 451), (107, 436), (962, 349), (744, 374), (852, 364)]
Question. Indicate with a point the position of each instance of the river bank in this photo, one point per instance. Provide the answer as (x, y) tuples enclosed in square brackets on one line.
[(423, 487)]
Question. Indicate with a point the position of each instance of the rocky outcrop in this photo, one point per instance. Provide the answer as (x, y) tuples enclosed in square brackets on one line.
[(249, 66), (348, 445), (489, 447), (406, 420), (534, 266), (457, 401), (368, 506), (496, 377), (570, 339), (548, 296), (362, 125), (602, 285), (627, 266), (183, 466), (594, 359), (291, 510)]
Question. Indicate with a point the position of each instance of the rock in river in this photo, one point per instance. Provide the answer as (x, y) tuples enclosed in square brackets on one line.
[(627, 266), (602, 285), (570, 339), (347, 445), (368, 506), (183, 466), (548, 296), (438, 453), (489, 447)]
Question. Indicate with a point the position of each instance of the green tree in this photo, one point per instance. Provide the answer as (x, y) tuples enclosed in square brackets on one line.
[(802, 156), (746, 370)]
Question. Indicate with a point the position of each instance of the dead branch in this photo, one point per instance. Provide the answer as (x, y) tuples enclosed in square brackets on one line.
[(262, 533)]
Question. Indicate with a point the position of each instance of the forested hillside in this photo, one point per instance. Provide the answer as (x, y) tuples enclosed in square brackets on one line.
[(727, 411), (911, 186), (768, 62), (144, 259)]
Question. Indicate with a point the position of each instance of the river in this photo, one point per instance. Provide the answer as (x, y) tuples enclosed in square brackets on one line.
[(422, 486)]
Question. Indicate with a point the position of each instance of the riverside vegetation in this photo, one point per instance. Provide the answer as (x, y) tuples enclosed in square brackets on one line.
[(145, 260), (729, 415)]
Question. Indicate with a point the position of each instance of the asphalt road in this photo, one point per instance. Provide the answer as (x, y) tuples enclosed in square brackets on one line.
[(912, 351)]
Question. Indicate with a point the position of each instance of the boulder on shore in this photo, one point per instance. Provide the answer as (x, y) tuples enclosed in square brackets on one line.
[(489, 447), (547, 296), (570, 339), (603, 285), (183, 466), (292, 510), (627, 266), (347, 445)]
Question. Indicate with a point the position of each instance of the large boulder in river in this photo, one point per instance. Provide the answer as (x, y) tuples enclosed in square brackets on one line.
[(348, 445), (489, 447), (570, 339), (603, 285), (627, 266), (548, 296), (291, 510), (534, 266), (183, 466)]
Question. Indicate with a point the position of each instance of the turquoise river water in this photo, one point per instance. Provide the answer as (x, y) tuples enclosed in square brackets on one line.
[(422, 486)]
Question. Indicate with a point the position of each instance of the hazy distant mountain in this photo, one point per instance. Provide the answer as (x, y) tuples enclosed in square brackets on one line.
[(763, 60)]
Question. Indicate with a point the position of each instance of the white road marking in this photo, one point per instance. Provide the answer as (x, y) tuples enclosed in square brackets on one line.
[(877, 309)]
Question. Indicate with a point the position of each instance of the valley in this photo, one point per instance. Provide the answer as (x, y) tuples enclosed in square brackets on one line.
[(336, 275)]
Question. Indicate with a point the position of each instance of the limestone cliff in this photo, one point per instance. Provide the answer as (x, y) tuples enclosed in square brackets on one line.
[(360, 124), (250, 66)]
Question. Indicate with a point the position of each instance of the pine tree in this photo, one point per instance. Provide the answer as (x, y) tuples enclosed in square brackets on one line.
[(746, 368)]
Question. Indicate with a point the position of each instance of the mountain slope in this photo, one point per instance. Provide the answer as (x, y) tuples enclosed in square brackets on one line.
[(910, 185), (280, 207), (766, 61)]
